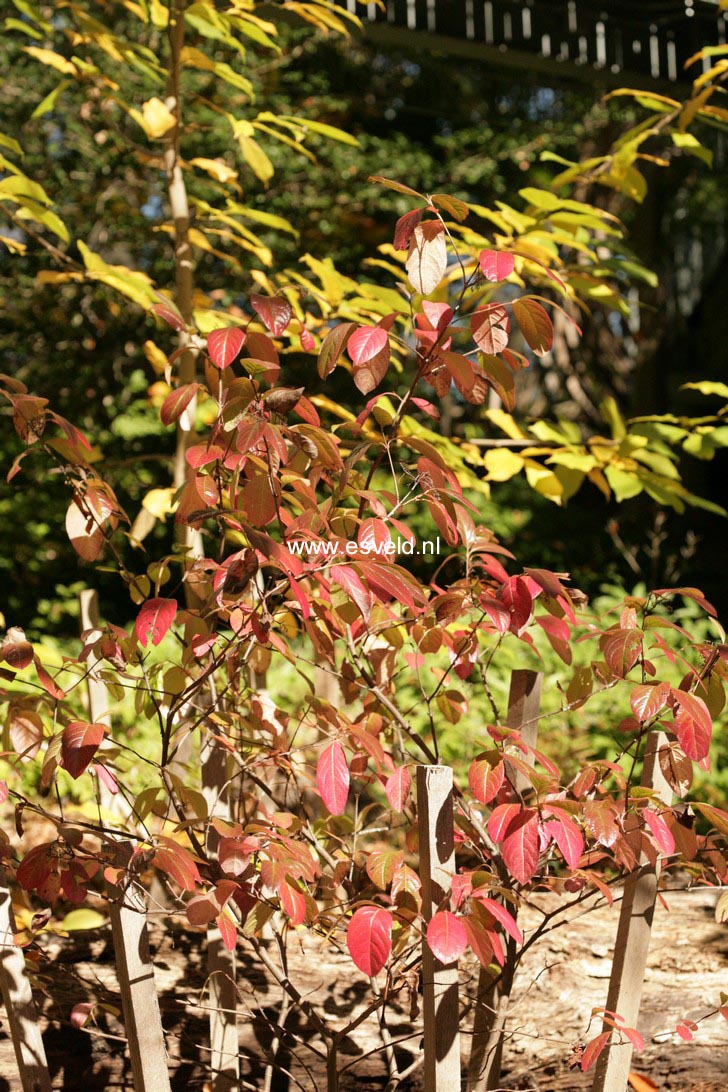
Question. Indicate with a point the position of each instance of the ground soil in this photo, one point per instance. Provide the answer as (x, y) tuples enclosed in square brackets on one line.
[(564, 976)]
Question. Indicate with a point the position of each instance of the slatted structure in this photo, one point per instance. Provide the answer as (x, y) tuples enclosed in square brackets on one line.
[(647, 39)]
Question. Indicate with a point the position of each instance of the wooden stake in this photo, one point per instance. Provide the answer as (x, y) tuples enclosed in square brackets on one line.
[(441, 1010), (224, 1043), (139, 1000), (491, 1007), (19, 1005), (633, 940)]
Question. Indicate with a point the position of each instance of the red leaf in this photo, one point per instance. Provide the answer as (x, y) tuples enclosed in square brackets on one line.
[(520, 846), (228, 929), (479, 941), (622, 650), (501, 915), (369, 939), (496, 265), (693, 724), (177, 862), (517, 599), (274, 311), (79, 744), (397, 788), (446, 936), (366, 343), (49, 684), (535, 324), (177, 402), (293, 902), (154, 619), (224, 345), (648, 700), (499, 819), (332, 778), (593, 1050), (490, 326), (568, 838), (485, 779)]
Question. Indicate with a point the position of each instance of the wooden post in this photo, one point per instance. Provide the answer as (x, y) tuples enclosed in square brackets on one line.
[(98, 695), (441, 1010), (491, 1004), (223, 994), (135, 972), (19, 1005), (633, 940)]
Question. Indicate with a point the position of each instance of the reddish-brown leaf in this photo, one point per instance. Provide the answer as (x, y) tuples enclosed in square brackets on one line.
[(405, 227), (177, 402), (274, 311), (79, 744), (177, 862), (332, 347), (593, 1050), (535, 324)]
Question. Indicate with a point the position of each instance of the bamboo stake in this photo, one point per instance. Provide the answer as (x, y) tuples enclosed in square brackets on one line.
[(633, 940), (441, 1010), (20, 1007), (491, 1009)]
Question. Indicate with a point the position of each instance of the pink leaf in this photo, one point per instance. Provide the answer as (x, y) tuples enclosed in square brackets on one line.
[(446, 936), (154, 619), (366, 343), (660, 831), (332, 778), (489, 326), (501, 915), (568, 838), (224, 345), (369, 938), (495, 265), (397, 788), (80, 1013)]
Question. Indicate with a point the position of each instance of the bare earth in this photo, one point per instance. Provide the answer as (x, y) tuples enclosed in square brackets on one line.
[(563, 978)]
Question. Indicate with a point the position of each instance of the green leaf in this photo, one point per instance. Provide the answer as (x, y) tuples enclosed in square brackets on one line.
[(319, 127), (707, 387), (47, 104)]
